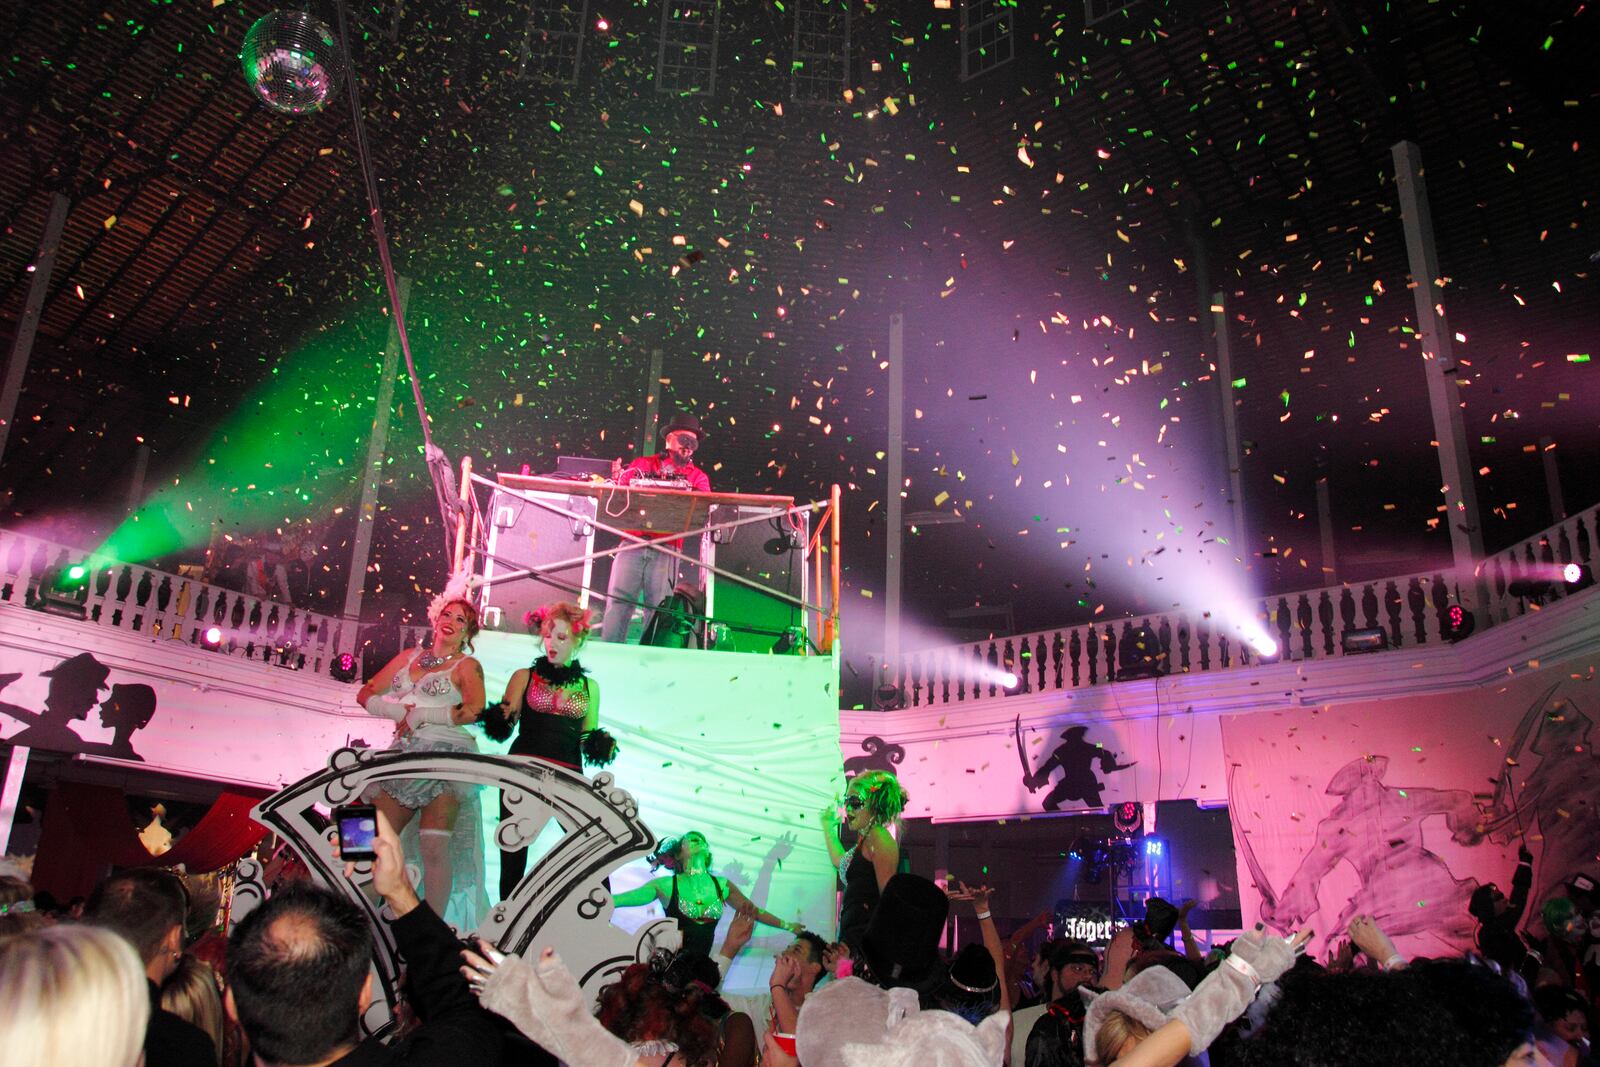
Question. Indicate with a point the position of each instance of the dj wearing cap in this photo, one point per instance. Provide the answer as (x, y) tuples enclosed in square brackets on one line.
[(643, 577)]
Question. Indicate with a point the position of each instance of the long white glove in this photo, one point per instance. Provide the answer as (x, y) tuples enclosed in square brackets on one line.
[(544, 1001), (386, 706)]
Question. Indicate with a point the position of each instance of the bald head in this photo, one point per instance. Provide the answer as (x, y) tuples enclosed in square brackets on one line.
[(297, 969)]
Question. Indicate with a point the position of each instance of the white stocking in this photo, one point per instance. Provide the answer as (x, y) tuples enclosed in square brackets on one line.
[(436, 869)]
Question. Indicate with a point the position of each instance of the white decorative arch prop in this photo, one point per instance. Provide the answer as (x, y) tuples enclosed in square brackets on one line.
[(562, 902)]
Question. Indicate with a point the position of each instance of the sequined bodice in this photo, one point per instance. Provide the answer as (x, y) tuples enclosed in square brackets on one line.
[(569, 702), (699, 911), (844, 861), (434, 689)]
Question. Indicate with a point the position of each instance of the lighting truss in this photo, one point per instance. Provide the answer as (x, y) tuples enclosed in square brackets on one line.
[(687, 59), (552, 41), (819, 72), (986, 35)]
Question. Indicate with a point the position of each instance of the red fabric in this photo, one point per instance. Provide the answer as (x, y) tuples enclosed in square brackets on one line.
[(87, 831)]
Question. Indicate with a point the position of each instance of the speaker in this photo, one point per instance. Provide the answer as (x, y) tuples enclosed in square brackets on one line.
[(523, 535), (772, 554)]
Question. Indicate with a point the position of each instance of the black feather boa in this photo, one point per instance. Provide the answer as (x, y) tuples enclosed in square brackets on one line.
[(571, 674), (599, 747)]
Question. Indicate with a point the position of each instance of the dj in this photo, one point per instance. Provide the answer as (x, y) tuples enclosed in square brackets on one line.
[(643, 577)]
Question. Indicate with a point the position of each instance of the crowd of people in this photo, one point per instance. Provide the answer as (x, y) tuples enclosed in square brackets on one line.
[(125, 980)]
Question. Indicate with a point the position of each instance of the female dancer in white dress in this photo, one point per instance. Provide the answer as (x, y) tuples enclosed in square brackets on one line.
[(432, 694)]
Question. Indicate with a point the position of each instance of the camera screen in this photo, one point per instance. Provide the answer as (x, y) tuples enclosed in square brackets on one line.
[(357, 832)]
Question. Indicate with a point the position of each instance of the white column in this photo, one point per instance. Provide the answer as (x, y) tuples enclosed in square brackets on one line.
[(44, 265), (1330, 562), (894, 481), (1230, 420), (1439, 364), (10, 790), (372, 473)]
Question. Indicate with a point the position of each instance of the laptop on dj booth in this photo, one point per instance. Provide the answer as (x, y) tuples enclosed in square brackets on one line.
[(582, 468)]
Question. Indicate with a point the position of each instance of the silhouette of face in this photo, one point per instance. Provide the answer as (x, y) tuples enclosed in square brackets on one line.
[(128, 708), (74, 692)]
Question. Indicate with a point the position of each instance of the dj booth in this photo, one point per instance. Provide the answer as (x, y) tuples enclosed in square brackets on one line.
[(548, 539)]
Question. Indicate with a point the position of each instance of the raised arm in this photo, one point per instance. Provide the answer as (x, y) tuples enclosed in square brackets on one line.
[(830, 832), (737, 898), (637, 897), (979, 895)]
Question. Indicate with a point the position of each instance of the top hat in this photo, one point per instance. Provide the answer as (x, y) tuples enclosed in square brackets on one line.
[(901, 942), (685, 422), (80, 668)]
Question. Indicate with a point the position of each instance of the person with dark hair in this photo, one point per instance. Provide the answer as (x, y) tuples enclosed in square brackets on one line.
[(1563, 1033), (300, 977), (147, 907), (692, 895), (432, 694), (1052, 1036), (1447, 1013), (1498, 917), (128, 709), (873, 803), (795, 974)]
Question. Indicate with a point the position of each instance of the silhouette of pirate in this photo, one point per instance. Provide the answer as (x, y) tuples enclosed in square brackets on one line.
[(1075, 757)]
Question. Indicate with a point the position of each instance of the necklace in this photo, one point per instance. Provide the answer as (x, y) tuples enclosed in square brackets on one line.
[(428, 661)]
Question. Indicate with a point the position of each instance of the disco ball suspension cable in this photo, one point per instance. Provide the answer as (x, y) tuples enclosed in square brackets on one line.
[(439, 470)]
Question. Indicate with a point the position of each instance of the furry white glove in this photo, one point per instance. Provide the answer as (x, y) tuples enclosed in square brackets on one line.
[(1227, 991), (545, 1002)]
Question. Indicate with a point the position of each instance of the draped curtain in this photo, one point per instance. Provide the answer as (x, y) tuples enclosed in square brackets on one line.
[(87, 830)]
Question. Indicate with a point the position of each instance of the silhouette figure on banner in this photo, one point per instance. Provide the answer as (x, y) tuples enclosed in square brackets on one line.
[(75, 687), (1076, 757), (1378, 830), (1554, 800), (880, 755)]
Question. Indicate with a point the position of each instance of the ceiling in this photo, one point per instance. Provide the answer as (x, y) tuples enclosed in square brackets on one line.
[(1053, 228)]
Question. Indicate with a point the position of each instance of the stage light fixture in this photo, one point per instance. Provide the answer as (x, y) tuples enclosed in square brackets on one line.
[(343, 667), (211, 639), (887, 697), (1140, 654), (1458, 623), (1128, 818), (64, 590), (1363, 639), (789, 642), (1010, 682), (1576, 576)]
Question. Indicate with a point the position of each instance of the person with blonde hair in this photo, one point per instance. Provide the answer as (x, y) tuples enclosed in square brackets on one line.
[(191, 993), (70, 995), (873, 803)]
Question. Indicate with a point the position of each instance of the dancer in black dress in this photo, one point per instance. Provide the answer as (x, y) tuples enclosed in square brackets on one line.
[(554, 707), (693, 895), (873, 802)]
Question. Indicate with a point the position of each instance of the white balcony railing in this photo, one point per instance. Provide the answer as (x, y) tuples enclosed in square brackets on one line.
[(1411, 609), (129, 598)]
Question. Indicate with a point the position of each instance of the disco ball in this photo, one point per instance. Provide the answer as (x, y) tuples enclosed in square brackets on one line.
[(292, 61)]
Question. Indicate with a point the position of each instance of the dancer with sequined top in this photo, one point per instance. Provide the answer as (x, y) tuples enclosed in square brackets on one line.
[(693, 895), (554, 708), (873, 801), (431, 694)]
